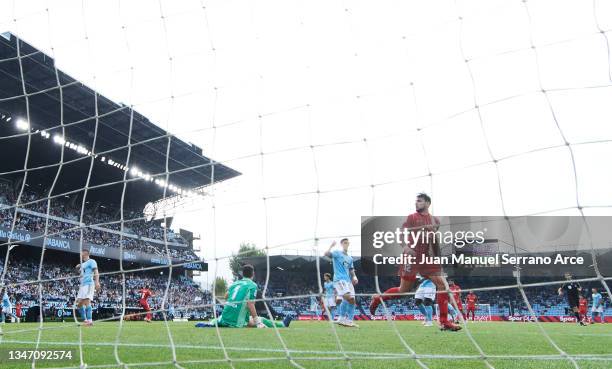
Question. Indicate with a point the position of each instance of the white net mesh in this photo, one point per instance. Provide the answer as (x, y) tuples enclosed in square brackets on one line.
[(329, 112)]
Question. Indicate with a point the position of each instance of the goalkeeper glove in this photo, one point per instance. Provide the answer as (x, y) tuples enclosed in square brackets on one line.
[(258, 323)]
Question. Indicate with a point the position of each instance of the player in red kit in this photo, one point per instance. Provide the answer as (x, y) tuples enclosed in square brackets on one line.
[(471, 301), (145, 293), (456, 290), (583, 304), (421, 243)]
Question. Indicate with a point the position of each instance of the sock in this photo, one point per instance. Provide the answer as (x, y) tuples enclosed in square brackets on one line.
[(350, 311), (422, 310), (82, 310), (342, 309), (442, 300), (429, 313), (88, 312), (452, 311), (271, 323)]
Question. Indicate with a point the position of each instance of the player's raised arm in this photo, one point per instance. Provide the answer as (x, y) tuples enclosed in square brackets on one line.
[(328, 252)]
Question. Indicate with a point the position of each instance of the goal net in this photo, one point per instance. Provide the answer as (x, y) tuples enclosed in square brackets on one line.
[(176, 142)]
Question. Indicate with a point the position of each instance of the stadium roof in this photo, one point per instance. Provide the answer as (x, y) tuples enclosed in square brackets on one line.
[(77, 103)]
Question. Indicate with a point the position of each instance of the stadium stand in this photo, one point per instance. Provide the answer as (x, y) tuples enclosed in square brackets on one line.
[(71, 193), (65, 225), (61, 284)]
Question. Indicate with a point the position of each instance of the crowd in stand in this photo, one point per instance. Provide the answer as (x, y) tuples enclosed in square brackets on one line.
[(102, 228), (60, 282)]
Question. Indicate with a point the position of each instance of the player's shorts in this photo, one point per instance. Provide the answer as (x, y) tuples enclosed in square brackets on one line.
[(598, 309), (343, 288), (329, 301), (582, 311), (86, 291), (572, 302), (145, 305), (423, 293), (471, 308), (408, 272)]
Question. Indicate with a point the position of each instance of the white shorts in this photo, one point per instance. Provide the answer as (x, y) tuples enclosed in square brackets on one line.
[(425, 293), (598, 309), (343, 288), (329, 301), (86, 291)]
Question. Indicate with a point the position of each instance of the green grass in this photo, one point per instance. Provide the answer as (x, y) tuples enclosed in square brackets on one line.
[(313, 345)]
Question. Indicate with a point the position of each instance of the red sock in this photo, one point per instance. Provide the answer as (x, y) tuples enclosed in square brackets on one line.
[(442, 300)]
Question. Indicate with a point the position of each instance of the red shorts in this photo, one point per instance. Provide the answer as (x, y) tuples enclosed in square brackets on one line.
[(145, 305), (408, 272), (471, 308), (582, 311)]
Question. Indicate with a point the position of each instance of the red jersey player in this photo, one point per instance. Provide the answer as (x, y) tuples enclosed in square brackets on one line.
[(583, 304), (422, 221), (145, 293), (471, 301), (456, 290)]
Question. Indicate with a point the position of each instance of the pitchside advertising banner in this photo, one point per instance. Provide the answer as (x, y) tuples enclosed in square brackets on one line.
[(492, 318), (484, 246), (36, 239)]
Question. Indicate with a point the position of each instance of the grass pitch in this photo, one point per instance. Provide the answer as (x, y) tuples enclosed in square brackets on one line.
[(314, 345)]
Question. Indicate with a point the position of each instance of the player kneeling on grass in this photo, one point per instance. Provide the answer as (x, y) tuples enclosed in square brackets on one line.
[(424, 298), (90, 281), (239, 310)]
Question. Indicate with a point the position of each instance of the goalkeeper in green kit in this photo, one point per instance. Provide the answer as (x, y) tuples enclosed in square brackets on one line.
[(239, 310)]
